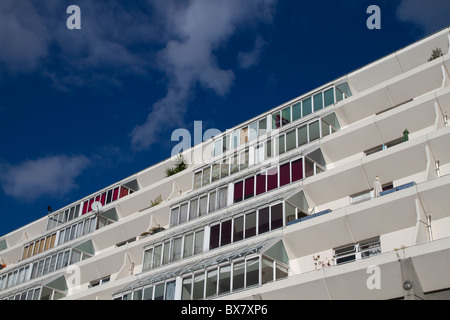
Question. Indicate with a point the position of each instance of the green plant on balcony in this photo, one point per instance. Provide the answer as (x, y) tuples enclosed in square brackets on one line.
[(436, 53), (155, 202), (179, 165)]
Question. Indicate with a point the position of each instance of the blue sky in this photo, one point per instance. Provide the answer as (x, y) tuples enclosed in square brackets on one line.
[(82, 109)]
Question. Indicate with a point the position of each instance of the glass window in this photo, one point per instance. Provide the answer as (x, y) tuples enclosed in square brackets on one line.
[(186, 288), (314, 130), (214, 237), (263, 220), (307, 106), (253, 131), (234, 164), (309, 168), (197, 180), (252, 272), (183, 212), (215, 172), (244, 136), (222, 197), (224, 279), (296, 111), (217, 147), (211, 283), (238, 191), (188, 245), (159, 291), (268, 148), (238, 275), (286, 114), (238, 229), (170, 291), (328, 97), (276, 120), (157, 256), (224, 169), (250, 225), (137, 294), (226, 233), (193, 209), (302, 134), (199, 284), (176, 250), (260, 184), (206, 176), (325, 127), (267, 270), (203, 209), (166, 254), (212, 201), (262, 127), (318, 101), (244, 159), (281, 148), (198, 243), (148, 256), (276, 216), (285, 174), (249, 188), (289, 211), (226, 143), (297, 170), (174, 216), (290, 140), (272, 179), (235, 139)]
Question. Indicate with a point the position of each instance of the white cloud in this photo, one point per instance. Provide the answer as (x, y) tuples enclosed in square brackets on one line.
[(431, 15), (249, 59), (197, 29), (52, 176)]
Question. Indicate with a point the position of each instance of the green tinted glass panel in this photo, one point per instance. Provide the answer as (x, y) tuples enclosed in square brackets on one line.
[(318, 101), (328, 97), (307, 106), (296, 111)]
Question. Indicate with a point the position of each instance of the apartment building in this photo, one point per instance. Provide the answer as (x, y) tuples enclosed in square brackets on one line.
[(340, 193)]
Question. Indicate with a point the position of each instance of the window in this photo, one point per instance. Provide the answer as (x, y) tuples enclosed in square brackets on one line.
[(250, 225), (328, 96), (296, 111), (238, 228), (318, 101), (238, 191), (252, 272), (211, 283), (272, 178), (262, 127), (199, 284), (307, 106), (224, 279), (214, 240), (276, 216), (249, 187), (314, 130), (356, 251), (263, 220), (297, 169), (238, 275), (260, 184), (225, 233), (285, 174)]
